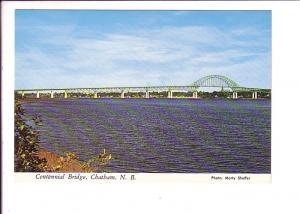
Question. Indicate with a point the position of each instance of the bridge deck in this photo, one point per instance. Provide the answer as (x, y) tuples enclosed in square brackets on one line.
[(140, 89)]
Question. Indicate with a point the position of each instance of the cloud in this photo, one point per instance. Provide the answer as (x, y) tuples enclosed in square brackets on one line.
[(168, 55)]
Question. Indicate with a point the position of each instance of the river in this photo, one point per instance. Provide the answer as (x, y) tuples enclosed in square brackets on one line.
[(160, 135)]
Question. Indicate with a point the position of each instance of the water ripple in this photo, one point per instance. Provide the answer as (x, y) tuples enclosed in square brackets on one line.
[(161, 135)]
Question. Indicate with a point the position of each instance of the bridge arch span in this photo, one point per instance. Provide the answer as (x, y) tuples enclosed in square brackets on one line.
[(216, 81)]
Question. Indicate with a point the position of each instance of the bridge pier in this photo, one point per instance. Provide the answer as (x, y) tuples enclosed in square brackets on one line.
[(195, 95), (38, 95), (23, 94), (170, 94), (95, 95), (147, 94), (52, 94), (234, 95), (66, 95), (123, 94), (254, 95)]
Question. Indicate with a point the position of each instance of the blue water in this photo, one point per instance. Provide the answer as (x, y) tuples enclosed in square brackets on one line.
[(160, 135)]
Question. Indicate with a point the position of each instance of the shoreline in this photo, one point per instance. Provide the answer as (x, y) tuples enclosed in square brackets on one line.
[(51, 161), (33, 99), (57, 163)]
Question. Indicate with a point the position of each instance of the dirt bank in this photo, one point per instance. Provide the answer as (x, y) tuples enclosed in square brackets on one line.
[(56, 163)]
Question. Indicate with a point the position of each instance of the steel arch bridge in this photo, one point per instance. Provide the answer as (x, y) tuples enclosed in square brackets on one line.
[(213, 81), (216, 81)]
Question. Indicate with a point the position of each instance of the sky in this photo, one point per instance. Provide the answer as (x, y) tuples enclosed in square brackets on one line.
[(69, 49)]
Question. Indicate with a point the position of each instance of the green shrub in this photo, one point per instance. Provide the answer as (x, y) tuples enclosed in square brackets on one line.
[(70, 156), (26, 144)]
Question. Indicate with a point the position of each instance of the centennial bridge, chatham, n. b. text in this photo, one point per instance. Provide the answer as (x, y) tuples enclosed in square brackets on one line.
[(211, 81)]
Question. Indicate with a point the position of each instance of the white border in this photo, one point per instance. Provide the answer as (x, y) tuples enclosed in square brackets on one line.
[(281, 195)]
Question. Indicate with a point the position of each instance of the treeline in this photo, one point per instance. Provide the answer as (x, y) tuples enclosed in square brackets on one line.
[(214, 94), (228, 94)]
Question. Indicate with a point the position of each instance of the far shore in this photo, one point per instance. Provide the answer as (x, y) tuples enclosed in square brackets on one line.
[(33, 99)]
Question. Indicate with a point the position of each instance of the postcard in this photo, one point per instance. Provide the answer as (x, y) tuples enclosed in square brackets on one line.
[(117, 95), (143, 91)]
